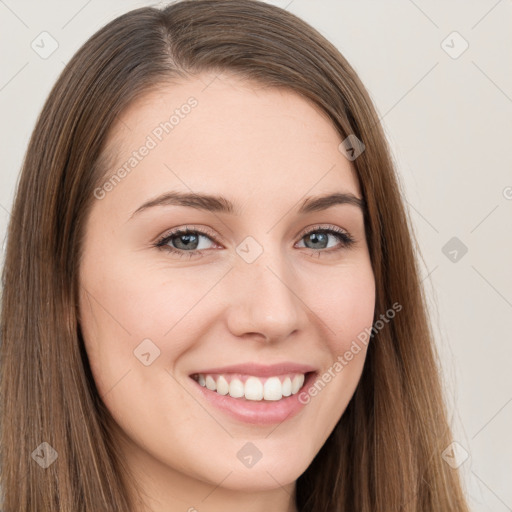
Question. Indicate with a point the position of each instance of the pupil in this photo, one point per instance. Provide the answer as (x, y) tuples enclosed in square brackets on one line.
[(187, 239), (315, 238)]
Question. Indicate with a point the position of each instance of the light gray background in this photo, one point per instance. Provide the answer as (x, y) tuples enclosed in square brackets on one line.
[(449, 124)]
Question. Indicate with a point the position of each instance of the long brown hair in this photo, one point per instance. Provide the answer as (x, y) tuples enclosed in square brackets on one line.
[(384, 454)]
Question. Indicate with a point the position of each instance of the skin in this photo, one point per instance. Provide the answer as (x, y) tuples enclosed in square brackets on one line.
[(265, 150)]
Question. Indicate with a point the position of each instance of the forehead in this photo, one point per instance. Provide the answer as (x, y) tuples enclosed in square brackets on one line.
[(220, 134)]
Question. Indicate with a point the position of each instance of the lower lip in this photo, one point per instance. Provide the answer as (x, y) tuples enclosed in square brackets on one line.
[(257, 412)]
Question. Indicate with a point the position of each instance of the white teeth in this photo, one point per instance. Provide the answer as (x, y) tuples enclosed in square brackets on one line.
[(222, 386), (210, 383), (236, 388), (287, 387), (271, 389), (253, 389), (297, 382)]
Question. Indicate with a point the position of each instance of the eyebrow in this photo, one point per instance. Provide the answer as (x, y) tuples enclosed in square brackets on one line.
[(219, 204)]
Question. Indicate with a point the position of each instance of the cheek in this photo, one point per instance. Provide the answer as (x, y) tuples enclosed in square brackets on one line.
[(127, 310), (347, 307), (347, 311)]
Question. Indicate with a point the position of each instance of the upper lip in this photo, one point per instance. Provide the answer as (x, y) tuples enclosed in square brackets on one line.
[(260, 370)]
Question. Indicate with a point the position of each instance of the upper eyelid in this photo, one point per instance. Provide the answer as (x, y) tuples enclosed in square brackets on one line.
[(320, 227)]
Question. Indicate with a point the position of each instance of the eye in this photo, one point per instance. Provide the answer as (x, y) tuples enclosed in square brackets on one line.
[(184, 241), (318, 238), (193, 242)]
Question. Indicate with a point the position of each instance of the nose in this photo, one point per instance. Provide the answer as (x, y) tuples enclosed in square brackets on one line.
[(263, 303)]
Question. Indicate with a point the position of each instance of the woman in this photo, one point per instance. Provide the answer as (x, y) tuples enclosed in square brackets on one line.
[(210, 294)]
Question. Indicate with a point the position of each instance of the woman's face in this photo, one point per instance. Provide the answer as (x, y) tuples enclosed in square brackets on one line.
[(265, 289)]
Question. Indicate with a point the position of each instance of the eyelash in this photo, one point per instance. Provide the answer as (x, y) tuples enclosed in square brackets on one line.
[(162, 243)]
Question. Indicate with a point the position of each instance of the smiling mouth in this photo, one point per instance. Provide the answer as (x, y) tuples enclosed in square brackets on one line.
[(250, 387)]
